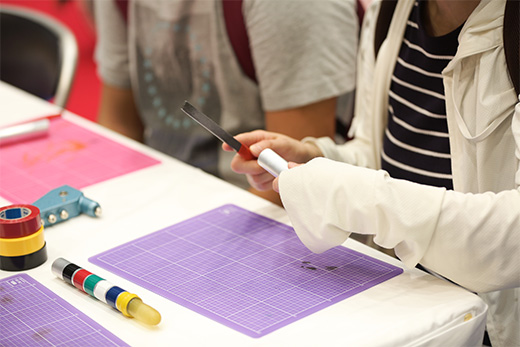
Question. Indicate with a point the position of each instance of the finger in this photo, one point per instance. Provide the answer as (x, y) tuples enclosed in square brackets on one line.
[(275, 185), (248, 138), (292, 164), (258, 147), (243, 166), (253, 137), (227, 147), (259, 184), (263, 179), (288, 148)]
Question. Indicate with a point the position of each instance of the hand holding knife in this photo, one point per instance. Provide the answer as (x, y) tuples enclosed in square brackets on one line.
[(268, 159)]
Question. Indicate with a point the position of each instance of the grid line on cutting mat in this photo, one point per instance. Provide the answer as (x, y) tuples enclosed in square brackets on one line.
[(244, 270), (33, 315), (69, 154)]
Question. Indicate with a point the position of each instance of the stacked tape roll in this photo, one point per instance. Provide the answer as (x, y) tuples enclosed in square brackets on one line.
[(22, 243)]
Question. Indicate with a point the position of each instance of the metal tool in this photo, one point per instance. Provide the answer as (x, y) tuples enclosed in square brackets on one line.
[(64, 203)]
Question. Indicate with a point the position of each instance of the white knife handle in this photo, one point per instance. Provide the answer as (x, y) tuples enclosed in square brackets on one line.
[(272, 162)]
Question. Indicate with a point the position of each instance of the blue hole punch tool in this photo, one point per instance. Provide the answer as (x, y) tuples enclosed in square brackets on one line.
[(64, 203)]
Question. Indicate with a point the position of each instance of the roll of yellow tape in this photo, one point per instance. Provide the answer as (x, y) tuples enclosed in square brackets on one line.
[(14, 247)]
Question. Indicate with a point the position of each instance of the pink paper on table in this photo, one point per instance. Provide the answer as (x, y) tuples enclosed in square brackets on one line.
[(70, 155)]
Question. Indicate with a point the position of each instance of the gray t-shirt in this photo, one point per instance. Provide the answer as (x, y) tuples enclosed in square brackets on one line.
[(304, 51)]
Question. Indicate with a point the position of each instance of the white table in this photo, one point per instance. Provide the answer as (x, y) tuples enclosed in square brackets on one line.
[(413, 308)]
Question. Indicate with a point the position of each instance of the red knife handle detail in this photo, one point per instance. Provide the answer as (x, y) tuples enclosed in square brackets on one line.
[(245, 153)]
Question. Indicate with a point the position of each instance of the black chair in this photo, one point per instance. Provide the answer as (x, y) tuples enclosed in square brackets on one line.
[(38, 54)]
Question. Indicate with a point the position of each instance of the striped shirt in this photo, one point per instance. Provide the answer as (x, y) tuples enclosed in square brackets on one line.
[(416, 145)]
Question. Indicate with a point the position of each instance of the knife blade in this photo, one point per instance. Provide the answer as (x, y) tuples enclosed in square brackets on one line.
[(208, 124)]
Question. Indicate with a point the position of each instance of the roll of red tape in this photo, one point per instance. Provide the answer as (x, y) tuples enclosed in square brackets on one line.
[(19, 221)]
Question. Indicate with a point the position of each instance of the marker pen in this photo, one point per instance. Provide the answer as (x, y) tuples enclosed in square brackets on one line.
[(127, 303)]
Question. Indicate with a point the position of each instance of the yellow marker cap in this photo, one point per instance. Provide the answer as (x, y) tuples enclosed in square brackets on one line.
[(122, 301), (139, 310)]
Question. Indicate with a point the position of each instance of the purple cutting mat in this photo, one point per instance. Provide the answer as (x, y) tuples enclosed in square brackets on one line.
[(243, 270), (32, 315)]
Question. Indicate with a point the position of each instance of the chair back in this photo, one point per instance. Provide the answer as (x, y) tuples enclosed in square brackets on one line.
[(38, 54)]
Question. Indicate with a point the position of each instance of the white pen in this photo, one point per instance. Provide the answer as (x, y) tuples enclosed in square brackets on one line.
[(271, 162), (24, 131)]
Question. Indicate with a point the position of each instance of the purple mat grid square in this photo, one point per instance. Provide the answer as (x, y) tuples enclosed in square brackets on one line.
[(228, 302), (32, 315), (246, 271)]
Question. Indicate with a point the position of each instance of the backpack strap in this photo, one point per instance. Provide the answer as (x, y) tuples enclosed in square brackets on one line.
[(386, 12), (511, 39), (122, 5), (237, 34), (236, 31), (360, 11), (510, 32)]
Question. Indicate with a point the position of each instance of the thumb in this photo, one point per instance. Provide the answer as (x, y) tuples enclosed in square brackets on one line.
[(258, 147), (293, 164), (227, 147)]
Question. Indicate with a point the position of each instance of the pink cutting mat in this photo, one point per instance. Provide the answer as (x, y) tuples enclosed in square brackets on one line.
[(70, 155)]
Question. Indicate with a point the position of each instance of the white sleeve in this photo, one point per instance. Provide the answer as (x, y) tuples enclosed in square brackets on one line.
[(472, 239), (111, 53), (303, 51)]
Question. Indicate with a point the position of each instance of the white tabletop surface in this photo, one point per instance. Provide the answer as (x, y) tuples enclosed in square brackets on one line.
[(413, 308)]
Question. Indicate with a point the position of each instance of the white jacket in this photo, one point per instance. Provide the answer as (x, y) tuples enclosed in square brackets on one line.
[(470, 235)]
